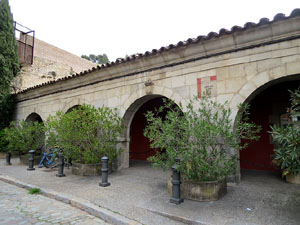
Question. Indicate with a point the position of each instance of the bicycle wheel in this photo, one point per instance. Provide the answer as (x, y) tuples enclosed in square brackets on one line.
[(53, 163), (45, 163)]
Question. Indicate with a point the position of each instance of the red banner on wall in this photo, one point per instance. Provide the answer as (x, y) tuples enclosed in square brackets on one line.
[(207, 84)]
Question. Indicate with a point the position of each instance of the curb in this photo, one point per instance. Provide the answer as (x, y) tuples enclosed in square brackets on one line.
[(179, 218), (92, 209)]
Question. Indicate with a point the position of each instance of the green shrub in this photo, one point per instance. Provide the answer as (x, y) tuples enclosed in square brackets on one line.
[(86, 133), (3, 142), (287, 153), (201, 140), (23, 136)]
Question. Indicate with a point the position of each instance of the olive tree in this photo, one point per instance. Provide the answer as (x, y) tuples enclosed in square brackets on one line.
[(200, 139), (86, 133), (23, 136)]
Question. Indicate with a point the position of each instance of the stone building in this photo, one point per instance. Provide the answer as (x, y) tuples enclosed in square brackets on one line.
[(256, 63), (49, 63)]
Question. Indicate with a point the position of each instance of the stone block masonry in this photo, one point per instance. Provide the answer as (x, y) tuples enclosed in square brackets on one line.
[(49, 63)]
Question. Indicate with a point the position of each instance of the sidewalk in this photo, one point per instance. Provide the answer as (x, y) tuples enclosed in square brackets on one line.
[(140, 194)]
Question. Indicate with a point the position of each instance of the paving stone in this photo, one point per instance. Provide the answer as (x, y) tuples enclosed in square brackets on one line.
[(19, 207)]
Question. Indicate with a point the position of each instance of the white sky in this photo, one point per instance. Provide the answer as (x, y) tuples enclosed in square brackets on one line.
[(120, 27)]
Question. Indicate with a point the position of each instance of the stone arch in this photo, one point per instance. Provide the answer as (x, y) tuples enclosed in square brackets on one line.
[(255, 92), (259, 80), (131, 110), (74, 103), (72, 108), (153, 90), (266, 85), (131, 106), (32, 117)]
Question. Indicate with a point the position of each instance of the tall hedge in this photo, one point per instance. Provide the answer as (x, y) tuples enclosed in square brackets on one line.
[(9, 64)]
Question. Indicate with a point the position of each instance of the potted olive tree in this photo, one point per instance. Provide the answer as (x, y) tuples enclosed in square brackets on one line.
[(85, 134), (23, 136), (202, 142), (287, 152)]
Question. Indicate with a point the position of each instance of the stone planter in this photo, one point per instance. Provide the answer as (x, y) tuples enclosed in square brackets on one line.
[(89, 169), (24, 159), (201, 191), (294, 179), (86, 169), (2, 155)]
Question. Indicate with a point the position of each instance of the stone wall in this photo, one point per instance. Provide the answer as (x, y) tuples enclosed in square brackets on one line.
[(49, 52), (49, 63), (42, 71)]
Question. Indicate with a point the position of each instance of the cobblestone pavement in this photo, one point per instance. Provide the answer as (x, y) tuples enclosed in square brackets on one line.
[(18, 207)]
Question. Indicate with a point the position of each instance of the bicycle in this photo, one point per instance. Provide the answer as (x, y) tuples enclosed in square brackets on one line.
[(48, 159)]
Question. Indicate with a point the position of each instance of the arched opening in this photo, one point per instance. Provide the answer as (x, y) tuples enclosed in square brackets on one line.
[(137, 145), (268, 107), (140, 145), (72, 108), (34, 117)]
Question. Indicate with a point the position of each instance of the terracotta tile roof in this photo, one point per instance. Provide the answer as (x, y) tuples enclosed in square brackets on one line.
[(190, 41)]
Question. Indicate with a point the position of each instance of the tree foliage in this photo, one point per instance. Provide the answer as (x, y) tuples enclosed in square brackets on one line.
[(295, 102), (99, 59), (23, 136), (288, 139), (7, 106), (86, 133), (9, 65), (201, 140)]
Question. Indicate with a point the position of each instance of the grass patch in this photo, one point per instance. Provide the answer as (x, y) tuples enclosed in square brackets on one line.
[(34, 191)]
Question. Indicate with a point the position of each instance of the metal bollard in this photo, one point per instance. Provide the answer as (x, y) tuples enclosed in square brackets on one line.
[(31, 160), (176, 186), (60, 165), (69, 163), (8, 157), (104, 172)]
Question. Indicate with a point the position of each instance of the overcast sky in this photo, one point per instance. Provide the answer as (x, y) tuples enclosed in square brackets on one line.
[(120, 27)]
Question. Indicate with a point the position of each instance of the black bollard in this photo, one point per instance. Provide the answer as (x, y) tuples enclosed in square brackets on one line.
[(31, 160), (176, 186), (8, 157), (104, 172), (60, 165), (69, 163)]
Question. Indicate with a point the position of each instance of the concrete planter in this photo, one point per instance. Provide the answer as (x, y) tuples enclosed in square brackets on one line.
[(24, 159), (201, 191), (2, 155), (89, 169), (294, 179), (86, 169)]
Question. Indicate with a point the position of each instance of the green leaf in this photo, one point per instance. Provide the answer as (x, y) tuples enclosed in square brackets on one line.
[(200, 137)]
